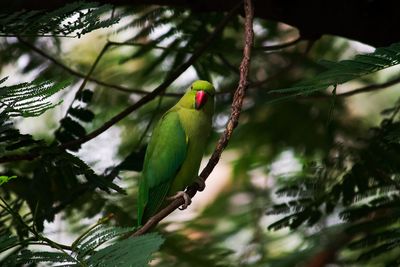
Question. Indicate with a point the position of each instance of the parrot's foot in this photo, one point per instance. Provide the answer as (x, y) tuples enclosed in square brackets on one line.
[(201, 183), (185, 196)]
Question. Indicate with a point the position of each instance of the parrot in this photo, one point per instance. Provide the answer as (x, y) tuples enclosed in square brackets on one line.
[(175, 149)]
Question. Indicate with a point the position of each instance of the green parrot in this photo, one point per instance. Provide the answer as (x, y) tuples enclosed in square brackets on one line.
[(175, 150)]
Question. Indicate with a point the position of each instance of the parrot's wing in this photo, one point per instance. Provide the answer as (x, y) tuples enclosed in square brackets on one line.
[(166, 153)]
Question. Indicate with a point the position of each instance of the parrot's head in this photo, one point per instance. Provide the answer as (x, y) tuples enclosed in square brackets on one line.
[(203, 93), (199, 97)]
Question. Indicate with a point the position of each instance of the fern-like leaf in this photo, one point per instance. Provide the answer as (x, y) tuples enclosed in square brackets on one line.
[(28, 99), (27, 257), (73, 19), (7, 241), (131, 252), (346, 70), (99, 236)]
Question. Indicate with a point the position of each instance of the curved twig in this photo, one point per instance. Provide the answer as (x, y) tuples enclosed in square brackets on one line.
[(370, 88), (232, 123), (361, 90), (278, 46)]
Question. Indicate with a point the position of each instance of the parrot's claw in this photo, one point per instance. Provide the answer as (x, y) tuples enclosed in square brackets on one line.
[(201, 183), (185, 196)]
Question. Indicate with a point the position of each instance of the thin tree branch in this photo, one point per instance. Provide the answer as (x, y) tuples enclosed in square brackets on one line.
[(87, 76), (278, 46), (231, 124), (229, 65), (182, 50), (370, 88), (284, 70), (138, 91), (361, 90), (81, 75), (93, 67)]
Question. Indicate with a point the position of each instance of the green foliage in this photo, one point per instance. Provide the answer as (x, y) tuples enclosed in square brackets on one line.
[(346, 70), (24, 100), (29, 257), (57, 172), (133, 162), (7, 241), (74, 19), (192, 28), (97, 237), (366, 195), (29, 99), (131, 252), (4, 179), (71, 127), (350, 168)]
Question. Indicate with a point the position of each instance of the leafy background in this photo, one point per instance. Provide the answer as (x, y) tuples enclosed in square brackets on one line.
[(312, 169)]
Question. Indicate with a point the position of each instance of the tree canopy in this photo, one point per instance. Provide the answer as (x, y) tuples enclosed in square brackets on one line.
[(302, 166)]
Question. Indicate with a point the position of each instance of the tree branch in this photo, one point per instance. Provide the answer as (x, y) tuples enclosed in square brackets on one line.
[(230, 126), (370, 88), (361, 90), (278, 46), (81, 75)]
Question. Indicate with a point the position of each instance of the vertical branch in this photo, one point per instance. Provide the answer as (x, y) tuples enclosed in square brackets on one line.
[(231, 125), (87, 76), (239, 93), (94, 65)]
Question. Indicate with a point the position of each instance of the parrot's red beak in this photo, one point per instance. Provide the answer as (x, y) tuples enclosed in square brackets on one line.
[(201, 99)]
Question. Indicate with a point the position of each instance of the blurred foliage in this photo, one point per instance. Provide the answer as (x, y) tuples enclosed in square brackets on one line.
[(333, 175), (72, 20)]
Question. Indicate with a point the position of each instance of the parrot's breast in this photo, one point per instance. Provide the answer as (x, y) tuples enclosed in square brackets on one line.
[(197, 126)]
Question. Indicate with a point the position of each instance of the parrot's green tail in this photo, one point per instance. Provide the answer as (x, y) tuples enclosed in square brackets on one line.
[(149, 209)]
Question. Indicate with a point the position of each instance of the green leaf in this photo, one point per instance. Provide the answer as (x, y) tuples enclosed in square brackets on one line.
[(73, 19), (85, 96), (7, 240), (73, 127), (134, 161), (131, 252), (3, 180), (98, 236), (82, 114), (29, 99), (27, 256)]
